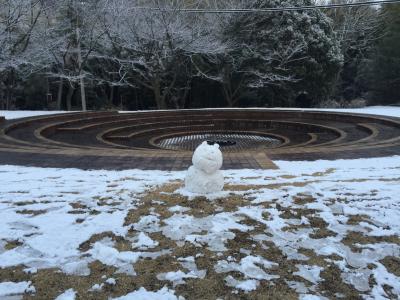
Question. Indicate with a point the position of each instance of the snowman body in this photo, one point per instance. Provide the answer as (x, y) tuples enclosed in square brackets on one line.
[(205, 176)]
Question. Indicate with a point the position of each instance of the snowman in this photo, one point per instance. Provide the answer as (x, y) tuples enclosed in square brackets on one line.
[(205, 176)]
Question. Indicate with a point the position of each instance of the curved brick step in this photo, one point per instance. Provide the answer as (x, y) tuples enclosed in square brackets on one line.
[(108, 138)]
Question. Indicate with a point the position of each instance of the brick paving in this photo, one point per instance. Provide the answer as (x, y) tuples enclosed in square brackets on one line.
[(108, 140)]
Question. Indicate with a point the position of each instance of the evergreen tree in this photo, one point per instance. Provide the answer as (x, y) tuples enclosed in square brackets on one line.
[(385, 75), (286, 53)]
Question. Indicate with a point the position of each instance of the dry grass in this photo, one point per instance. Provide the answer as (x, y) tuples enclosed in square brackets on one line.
[(49, 283)]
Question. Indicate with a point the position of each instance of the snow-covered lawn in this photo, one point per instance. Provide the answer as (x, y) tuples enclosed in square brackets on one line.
[(374, 110), (17, 114), (392, 111), (328, 229)]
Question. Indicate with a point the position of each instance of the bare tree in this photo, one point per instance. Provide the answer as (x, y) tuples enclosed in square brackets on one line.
[(18, 19), (153, 47), (70, 37), (357, 30)]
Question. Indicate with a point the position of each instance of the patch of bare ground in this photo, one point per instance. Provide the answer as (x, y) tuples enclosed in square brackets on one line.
[(78, 205), (295, 213), (87, 245), (327, 172), (352, 238), (31, 212), (24, 203), (12, 244), (357, 219), (148, 269), (214, 286), (332, 284), (243, 187), (302, 199), (272, 186), (250, 178), (320, 228), (392, 264), (50, 283)]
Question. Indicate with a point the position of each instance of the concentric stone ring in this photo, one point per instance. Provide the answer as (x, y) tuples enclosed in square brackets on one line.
[(165, 139)]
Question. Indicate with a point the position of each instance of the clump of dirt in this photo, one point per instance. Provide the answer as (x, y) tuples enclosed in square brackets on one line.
[(31, 212), (392, 264), (321, 233), (295, 213), (357, 219), (85, 246), (319, 260), (327, 172), (24, 203), (12, 245), (353, 238), (148, 269), (78, 205), (242, 187), (331, 284), (301, 199)]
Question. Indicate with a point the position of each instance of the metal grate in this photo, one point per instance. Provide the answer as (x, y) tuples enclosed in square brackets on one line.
[(230, 141)]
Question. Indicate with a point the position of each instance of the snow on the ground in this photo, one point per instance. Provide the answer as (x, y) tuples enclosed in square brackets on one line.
[(54, 191), (393, 111), (143, 294), (48, 213), (67, 295), (17, 114), (9, 289)]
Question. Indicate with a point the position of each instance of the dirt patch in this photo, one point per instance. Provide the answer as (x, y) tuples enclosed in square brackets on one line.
[(77, 205), (251, 178), (301, 199), (353, 238), (31, 212), (12, 245), (297, 213), (24, 203), (240, 188), (331, 284), (321, 233), (327, 172), (85, 246), (287, 176), (392, 264)]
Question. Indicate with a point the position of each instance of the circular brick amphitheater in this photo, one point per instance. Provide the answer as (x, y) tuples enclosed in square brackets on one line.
[(164, 140)]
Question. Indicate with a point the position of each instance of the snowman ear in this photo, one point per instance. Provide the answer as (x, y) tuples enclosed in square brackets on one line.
[(216, 145)]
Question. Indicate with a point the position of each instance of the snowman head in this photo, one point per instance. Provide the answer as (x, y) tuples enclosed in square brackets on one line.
[(207, 158)]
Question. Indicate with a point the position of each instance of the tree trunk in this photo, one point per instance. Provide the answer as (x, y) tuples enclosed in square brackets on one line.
[(71, 90), (8, 96), (160, 100), (111, 98), (227, 95), (59, 94), (82, 81), (83, 94)]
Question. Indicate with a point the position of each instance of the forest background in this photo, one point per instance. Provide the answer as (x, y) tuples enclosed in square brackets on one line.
[(134, 54)]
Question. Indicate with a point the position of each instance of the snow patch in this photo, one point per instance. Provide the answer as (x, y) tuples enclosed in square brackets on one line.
[(16, 288), (67, 295), (143, 294)]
